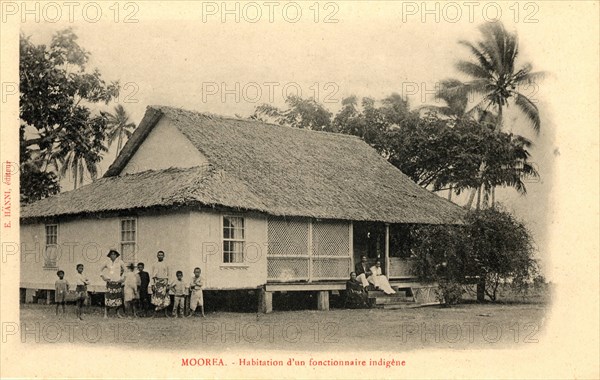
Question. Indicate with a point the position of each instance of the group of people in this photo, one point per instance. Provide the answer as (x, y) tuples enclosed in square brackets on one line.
[(133, 291), (62, 287), (364, 278), (136, 291)]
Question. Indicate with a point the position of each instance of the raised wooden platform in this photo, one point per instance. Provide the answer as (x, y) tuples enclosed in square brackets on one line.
[(409, 294), (305, 286), (327, 285)]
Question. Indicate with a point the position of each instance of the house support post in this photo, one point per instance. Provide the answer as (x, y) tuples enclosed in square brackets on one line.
[(387, 250), (48, 297), (30, 294), (323, 300), (351, 240), (265, 301)]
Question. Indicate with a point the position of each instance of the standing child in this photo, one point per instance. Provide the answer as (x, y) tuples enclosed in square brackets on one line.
[(143, 291), (81, 283), (131, 284), (60, 290), (179, 288), (196, 299)]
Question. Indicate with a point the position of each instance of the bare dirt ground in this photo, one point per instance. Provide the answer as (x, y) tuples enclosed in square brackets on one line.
[(464, 326)]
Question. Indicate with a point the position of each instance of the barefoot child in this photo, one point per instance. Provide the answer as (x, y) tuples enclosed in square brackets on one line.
[(196, 298), (131, 284), (60, 290), (81, 283), (179, 288)]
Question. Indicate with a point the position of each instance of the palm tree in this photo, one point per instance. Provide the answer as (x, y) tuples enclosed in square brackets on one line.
[(494, 75), (79, 160), (80, 149), (496, 79), (119, 127)]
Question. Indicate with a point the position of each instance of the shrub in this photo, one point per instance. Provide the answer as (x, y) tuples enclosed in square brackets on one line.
[(492, 246), (502, 249), (449, 292)]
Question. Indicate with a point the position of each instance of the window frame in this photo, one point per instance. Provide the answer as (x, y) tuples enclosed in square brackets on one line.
[(242, 240), (133, 242), (48, 262)]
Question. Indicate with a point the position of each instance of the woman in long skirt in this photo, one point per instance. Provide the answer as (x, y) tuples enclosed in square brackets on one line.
[(379, 280), (112, 273)]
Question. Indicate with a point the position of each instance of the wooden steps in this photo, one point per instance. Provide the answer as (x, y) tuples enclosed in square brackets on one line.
[(402, 299)]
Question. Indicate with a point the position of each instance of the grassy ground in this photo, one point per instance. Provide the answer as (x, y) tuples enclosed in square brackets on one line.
[(469, 325)]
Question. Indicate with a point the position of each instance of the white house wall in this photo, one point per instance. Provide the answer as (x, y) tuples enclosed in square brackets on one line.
[(189, 240), (206, 240), (165, 147), (88, 240)]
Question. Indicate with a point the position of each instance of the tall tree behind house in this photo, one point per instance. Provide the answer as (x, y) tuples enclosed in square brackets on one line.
[(495, 77), (59, 133)]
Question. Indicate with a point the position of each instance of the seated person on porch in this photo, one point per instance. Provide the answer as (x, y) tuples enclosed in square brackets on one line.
[(379, 280), (362, 271), (356, 296)]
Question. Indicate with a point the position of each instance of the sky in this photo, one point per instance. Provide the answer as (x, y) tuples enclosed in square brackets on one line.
[(184, 55)]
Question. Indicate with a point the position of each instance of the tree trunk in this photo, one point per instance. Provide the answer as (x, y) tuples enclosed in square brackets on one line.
[(471, 198), (500, 117), (493, 196), (450, 194), (119, 142), (485, 198), (481, 289), (478, 198)]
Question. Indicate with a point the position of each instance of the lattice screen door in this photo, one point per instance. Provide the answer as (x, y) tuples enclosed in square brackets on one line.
[(287, 253), (301, 250), (331, 250)]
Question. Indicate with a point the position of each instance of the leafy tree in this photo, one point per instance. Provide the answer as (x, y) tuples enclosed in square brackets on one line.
[(372, 122), (35, 182), (348, 119), (57, 93), (436, 151), (455, 102), (492, 246), (368, 123), (502, 249), (441, 153), (119, 127), (301, 113), (441, 255)]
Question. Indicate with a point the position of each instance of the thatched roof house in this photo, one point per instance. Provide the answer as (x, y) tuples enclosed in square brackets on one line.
[(268, 168), (255, 205)]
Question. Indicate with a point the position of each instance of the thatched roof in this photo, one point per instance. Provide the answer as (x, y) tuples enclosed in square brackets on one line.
[(261, 167), (153, 188)]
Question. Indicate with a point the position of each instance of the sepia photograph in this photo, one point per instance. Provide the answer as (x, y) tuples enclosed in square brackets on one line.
[(323, 189)]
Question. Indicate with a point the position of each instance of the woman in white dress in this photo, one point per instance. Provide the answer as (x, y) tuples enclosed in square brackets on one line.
[(379, 280)]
